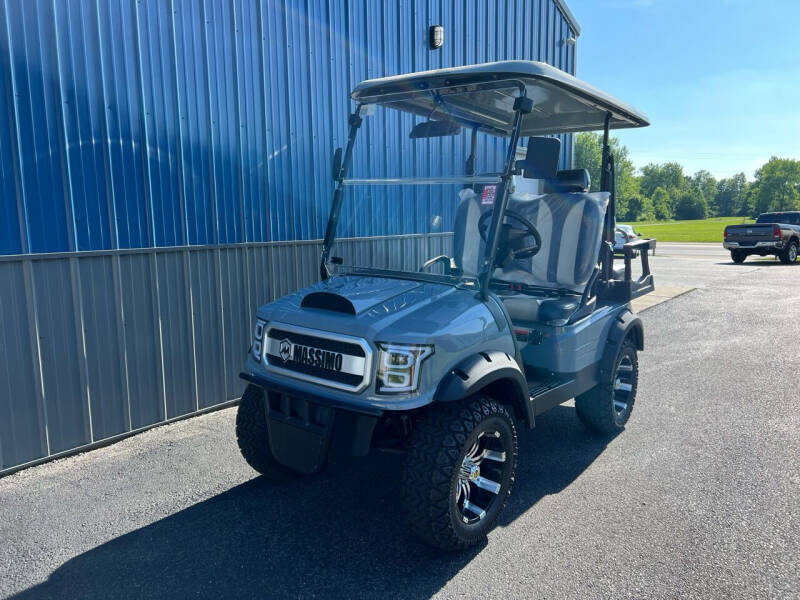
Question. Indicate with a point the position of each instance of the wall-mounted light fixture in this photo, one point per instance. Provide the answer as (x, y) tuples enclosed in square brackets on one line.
[(436, 36), (570, 40)]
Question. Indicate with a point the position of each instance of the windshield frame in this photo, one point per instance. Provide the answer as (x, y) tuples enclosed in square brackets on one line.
[(522, 106)]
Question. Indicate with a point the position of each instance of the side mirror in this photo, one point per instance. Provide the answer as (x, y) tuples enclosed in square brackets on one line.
[(429, 129), (337, 163)]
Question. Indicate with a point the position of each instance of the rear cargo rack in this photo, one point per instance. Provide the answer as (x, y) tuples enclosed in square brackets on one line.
[(626, 289)]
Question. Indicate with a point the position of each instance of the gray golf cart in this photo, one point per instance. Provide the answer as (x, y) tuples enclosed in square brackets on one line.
[(520, 310)]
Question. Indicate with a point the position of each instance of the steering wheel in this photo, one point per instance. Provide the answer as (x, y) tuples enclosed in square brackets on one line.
[(509, 245)]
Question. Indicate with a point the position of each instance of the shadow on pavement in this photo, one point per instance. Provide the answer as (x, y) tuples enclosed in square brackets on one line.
[(339, 534), (759, 262)]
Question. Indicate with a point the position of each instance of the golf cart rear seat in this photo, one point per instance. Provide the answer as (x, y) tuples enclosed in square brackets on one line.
[(569, 181)]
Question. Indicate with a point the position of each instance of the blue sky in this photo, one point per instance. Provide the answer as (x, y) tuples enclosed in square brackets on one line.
[(719, 79)]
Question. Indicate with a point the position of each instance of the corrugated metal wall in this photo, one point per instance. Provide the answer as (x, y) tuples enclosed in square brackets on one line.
[(164, 169)]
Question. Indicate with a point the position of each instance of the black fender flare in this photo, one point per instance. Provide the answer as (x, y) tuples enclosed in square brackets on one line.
[(493, 369), (626, 324)]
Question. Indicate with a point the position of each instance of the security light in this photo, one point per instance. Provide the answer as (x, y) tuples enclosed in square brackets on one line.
[(436, 36)]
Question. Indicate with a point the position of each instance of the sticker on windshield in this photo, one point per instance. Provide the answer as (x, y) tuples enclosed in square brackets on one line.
[(487, 198)]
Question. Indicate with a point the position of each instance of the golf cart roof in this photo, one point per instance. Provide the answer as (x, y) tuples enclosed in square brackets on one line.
[(483, 96)]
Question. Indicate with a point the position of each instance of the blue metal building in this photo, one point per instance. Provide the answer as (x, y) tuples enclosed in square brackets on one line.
[(165, 168)]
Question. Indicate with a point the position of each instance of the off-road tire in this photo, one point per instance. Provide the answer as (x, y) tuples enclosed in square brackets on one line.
[(738, 256), (596, 408), (253, 438), (439, 442), (789, 255)]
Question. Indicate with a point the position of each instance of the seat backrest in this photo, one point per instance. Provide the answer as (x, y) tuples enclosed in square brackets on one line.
[(541, 158), (571, 227), (572, 180)]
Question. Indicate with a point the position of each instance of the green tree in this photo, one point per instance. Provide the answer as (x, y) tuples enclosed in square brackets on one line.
[(777, 186), (668, 176), (704, 182), (640, 208), (589, 156), (731, 194), (691, 204), (662, 204)]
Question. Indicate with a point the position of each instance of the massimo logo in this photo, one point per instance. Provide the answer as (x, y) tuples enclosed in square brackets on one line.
[(307, 355)]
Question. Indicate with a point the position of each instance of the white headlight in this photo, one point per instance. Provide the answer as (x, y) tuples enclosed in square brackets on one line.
[(399, 367), (258, 336)]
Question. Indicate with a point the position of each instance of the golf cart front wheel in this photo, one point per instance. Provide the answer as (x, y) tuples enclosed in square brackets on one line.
[(253, 438), (738, 256), (607, 406), (459, 471), (789, 255)]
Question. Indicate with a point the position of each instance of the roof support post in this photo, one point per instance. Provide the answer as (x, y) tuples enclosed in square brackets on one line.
[(473, 144), (608, 184), (522, 106), (336, 206)]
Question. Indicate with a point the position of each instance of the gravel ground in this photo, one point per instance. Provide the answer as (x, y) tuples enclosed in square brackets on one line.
[(699, 497)]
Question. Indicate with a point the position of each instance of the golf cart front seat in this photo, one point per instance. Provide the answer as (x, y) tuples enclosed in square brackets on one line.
[(570, 222)]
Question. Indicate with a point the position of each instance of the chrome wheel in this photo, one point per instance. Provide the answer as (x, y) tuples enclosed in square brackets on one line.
[(453, 494), (792, 252), (623, 385), (478, 487)]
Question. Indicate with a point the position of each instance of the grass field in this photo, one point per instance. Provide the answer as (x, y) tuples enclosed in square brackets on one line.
[(705, 230)]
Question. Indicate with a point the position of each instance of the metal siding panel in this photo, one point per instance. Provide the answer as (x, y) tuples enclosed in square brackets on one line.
[(222, 104), (141, 343), (283, 269), (176, 335), (195, 122), (273, 55), (11, 218), (209, 350), (31, 32), (252, 143), (235, 319), (160, 122), (81, 94), (21, 428), (298, 115), (261, 288), (67, 413), (322, 147), (105, 377), (125, 139)]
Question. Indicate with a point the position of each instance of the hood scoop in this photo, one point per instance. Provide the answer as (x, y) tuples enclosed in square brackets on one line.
[(328, 301)]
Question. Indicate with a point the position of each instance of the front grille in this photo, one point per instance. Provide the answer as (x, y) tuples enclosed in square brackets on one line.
[(320, 357)]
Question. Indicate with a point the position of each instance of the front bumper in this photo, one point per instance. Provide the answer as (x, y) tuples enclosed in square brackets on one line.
[(777, 245), (270, 384), (307, 431)]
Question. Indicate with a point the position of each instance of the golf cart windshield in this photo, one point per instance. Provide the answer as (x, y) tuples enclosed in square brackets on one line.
[(434, 207), (400, 205)]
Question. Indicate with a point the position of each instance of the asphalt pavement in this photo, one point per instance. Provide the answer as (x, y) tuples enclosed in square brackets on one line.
[(699, 496)]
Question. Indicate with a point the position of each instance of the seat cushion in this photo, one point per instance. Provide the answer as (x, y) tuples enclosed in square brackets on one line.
[(531, 309)]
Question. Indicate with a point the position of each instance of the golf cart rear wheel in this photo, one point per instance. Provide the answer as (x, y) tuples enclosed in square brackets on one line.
[(459, 471), (738, 256), (607, 407), (789, 255), (252, 436)]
